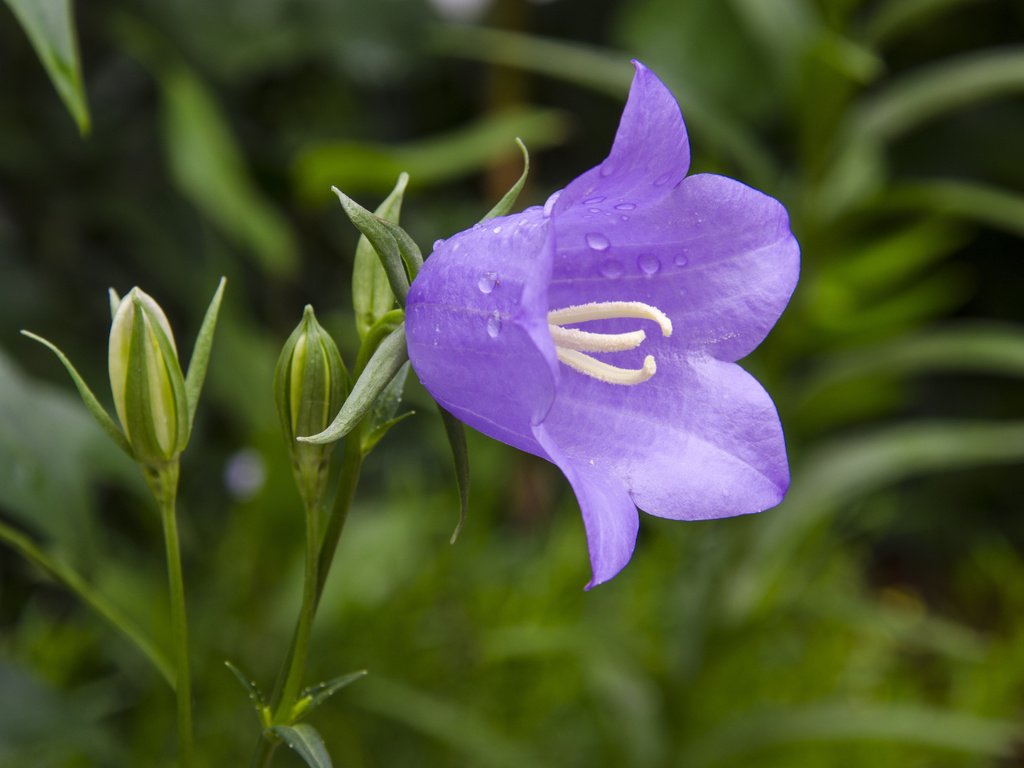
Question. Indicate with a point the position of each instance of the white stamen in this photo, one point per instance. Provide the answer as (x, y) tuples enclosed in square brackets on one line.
[(611, 310), (584, 341), (610, 374)]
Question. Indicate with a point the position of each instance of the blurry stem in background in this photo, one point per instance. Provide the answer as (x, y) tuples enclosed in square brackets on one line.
[(319, 557), (163, 482), (71, 579)]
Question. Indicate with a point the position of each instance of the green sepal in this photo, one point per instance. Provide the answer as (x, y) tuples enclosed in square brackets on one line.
[(383, 243), (380, 330), (315, 695), (411, 253), (382, 367), (255, 695), (88, 398), (382, 415), (306, 741), (504, 205), (456, 433), (201, 352), (372, 296)]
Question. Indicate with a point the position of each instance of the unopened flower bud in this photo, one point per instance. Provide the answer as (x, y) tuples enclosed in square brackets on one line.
[(310, 384), (146, 380)]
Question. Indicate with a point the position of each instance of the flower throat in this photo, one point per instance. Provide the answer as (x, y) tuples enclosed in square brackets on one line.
[(572, 344)]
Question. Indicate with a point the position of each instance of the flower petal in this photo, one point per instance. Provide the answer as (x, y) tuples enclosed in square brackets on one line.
[(476, 325), (701, 439), (715, 255), (609, 514), (651, 153)]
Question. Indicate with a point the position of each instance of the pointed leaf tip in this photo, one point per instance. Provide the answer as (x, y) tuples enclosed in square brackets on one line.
[(509, 199), (201, 352)]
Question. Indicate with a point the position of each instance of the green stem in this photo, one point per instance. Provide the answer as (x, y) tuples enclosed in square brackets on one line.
[(164, 484), (319, 557), (74, 582)]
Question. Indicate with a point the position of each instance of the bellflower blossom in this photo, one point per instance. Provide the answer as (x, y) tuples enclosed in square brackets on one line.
[(601, 331)]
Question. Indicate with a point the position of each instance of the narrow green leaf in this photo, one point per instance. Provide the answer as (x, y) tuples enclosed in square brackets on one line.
[(937, 728), (201, 352), (368, 167), (386, 362), (50, 27), (91, 403), (999, 208), (305, 740), (382, 415), (255, 694), (74, 582), (372, 296), (319, 693), (939, 88), (209, 166), (508, 200), (896, 17), (456, 433), (374, 230)]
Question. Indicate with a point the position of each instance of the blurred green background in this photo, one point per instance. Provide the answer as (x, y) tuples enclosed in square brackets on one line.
[(876, 618)]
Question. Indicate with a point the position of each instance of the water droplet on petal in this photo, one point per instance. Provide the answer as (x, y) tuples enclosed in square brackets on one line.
[(549, 204), (597, 241), (624, 218), (494, 325), (594, 210), (607, 169), (680, 260), (610, 269), (438, 244), (593, 200), (663, 179), (456, 246), (625, 206), (648, 264), (497, 230), (487, 282)]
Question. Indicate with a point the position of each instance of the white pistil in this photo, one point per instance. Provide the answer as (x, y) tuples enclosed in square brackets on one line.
[(611, 310), (601, 371), (572, 343), (573, 338)]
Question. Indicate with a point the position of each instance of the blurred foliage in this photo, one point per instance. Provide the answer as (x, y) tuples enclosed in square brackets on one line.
[(876, 618)]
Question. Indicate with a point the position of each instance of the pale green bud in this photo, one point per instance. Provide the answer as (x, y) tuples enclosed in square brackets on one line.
[(310, 385), (146, 380)]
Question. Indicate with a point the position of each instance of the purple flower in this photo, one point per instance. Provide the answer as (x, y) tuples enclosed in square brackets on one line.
[(601, 331)]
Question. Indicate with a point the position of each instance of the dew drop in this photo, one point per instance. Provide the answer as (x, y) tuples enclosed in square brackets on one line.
[(438, 244), (625, 206), (593, 200), (624, 218), (549, 204), (456, 246), (487, 282), (648, 264), (610, 269), (680, 260), (497, 230), (494, 325), (663, 179), (597, 241), (594, 210), (607, 169)]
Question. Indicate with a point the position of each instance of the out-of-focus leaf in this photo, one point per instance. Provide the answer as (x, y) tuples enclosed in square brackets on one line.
[(356, 166), (937, 728), (372, 296), (209, 167), (897, 17), (460, 728), (850, 468), (50, 26), (606, 72), (503, 206), (929, 92), (999, 208), (782, 29), (386, 362), (305, 740)]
